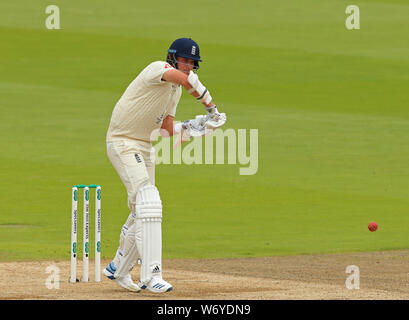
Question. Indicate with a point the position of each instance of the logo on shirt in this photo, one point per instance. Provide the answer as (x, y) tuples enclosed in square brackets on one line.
[(160, 119), (194, 50)]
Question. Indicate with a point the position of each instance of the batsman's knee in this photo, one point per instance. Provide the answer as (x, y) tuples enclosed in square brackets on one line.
[(132, 194)]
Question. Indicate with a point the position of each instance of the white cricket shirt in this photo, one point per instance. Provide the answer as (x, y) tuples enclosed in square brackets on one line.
[(144, 104)]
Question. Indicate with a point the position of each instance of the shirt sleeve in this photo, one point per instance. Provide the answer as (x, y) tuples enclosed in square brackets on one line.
[(155, 72), (175, 102)]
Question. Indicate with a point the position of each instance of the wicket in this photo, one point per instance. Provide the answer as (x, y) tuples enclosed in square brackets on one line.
[(85, 250)]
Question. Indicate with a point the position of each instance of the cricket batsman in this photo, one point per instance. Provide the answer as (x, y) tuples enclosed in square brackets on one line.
[(147, 105)]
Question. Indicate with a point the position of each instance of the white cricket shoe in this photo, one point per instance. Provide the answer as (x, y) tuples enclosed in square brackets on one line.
[(157, 285), (125, 282)]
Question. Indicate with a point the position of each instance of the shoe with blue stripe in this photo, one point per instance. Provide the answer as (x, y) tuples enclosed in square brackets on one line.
[(109, 271), (157, 285)]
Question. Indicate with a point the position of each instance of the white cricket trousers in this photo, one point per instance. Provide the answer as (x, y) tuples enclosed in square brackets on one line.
[(134, 161)]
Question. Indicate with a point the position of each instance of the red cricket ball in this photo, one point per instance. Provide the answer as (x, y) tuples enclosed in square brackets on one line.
[(372, 226)]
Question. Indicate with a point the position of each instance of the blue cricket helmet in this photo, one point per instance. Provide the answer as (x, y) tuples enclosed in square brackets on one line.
[(186, 48)]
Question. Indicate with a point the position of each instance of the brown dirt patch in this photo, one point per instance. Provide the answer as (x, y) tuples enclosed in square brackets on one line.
[(383, 275)]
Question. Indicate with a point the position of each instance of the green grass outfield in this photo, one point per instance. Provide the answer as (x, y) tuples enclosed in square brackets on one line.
[(331, 106)]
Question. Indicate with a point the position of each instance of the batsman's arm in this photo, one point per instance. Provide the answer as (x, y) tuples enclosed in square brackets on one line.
[(167, 129), (192, 84)]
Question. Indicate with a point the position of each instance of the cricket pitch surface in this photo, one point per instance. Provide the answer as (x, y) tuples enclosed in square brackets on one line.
[(383, 276)]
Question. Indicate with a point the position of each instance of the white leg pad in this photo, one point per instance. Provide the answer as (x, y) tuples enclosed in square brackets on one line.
[(128, 259), (122, 238), (149, 212)]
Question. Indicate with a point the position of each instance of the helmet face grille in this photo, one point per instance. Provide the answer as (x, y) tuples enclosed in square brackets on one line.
[(171, 59)]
